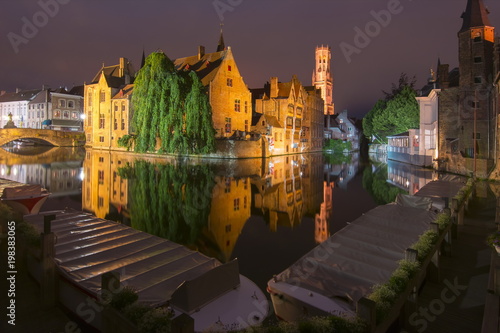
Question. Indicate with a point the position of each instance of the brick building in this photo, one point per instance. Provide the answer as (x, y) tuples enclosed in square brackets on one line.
[(467, 117)]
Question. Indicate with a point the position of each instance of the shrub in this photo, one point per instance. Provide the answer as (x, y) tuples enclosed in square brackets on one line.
[(156, 321), (123, 298)]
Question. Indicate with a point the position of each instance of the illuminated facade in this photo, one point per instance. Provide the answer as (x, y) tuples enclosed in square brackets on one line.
[(111, 86), (228, 94), (293, 118)]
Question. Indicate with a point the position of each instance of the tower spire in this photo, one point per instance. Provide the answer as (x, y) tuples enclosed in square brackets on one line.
[(475, 15), (221, 46), (143, 61)]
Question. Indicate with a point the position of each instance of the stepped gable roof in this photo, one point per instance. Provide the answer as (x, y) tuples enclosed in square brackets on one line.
[(124, 92), (26, 95), (475, 15), (205, 67)]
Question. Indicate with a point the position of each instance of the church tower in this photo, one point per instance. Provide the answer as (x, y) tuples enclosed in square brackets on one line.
[(476, 45), (322, 76)]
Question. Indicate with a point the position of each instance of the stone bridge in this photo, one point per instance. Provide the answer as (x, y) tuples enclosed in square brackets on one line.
[(55, 138)]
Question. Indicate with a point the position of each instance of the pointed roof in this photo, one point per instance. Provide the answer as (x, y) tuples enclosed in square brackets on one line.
[(221, 46), (143, 61), (475, 15)]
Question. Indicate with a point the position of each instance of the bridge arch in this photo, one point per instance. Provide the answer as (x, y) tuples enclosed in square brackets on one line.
[(55, 138)]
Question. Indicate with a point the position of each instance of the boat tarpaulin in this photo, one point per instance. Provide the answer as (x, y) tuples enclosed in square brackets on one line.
[(363, 254), (88, 247)]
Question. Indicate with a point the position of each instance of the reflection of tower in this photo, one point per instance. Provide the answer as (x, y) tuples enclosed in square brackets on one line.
[(322, 77), (321, 231)]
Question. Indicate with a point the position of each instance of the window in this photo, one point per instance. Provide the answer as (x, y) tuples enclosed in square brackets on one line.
[(100, 202), (478, 79), (103, 97), (298, 124), (246, 106), (74, 115), (246, 125), (62, 103), (101, 139), (100, 175), (71, 104), (116, 106), (478, 38), (229, 82), (237, 105), (228, 228), (289, 122), (229, 68), (38, 114), (228, 125), (101, 120), (57, 114), (89, 98), (115, 125), (299, 111), (244, 202), (227, 189), (123, 106), (89, 119), (66, 114), (236, 204), (123, 124), (101, 159)]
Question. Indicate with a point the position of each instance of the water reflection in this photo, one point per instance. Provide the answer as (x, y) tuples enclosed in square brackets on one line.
[(59, 170), (205, 205)]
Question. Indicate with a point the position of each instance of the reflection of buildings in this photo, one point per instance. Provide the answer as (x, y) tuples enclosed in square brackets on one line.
[(230, 210), (408, 177), (289, 190), (342, 173), (103, 190), (321, 229), (60, 178), (285, 190)]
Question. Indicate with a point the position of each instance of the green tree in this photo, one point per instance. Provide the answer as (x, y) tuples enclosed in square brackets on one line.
[(150, 98), (396, 114), (199, 128), (173, 106)]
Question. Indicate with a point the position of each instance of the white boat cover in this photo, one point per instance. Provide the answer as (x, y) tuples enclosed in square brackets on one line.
[(363, 254), (88, 247)]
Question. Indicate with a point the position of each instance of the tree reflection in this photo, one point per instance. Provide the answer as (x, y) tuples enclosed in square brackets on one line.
[(170, 201), (375, 182)]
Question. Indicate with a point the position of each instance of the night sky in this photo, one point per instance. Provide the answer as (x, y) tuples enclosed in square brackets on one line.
[(268, 38)]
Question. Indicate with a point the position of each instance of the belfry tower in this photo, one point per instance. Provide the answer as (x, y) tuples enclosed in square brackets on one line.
[(322, 77)]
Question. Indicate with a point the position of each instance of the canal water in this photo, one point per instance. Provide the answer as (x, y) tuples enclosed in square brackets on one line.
[(265, 212)]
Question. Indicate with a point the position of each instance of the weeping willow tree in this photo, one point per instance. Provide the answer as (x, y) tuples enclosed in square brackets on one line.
[(170, 201), (173, 106)]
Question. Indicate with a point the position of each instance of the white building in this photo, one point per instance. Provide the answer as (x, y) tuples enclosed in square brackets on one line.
[(16, 104)]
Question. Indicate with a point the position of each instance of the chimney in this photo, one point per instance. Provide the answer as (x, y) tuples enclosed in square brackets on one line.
[(18, 90), (201, 51), (274, 87), (123, 67), (127, 79)]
